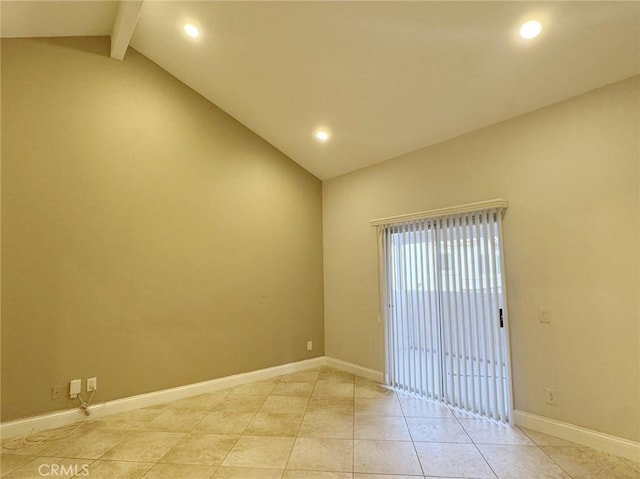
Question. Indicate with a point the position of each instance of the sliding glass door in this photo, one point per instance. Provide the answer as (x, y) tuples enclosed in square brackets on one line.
[(443, 283)]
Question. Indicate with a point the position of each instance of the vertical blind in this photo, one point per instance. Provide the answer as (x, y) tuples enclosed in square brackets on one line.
[(444, 304)]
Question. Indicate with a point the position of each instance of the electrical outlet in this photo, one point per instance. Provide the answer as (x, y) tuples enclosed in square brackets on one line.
[(552, 397), (75, 388), (309, 345), (544, 315), (56, 391), (92, 384)]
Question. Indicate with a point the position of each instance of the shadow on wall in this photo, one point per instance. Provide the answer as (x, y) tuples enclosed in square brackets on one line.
[(81, 44)]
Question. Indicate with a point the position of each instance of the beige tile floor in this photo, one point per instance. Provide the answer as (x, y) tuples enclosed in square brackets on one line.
[(315, 424)]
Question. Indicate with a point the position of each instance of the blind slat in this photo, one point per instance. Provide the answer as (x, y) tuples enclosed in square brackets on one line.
[(443, 282)]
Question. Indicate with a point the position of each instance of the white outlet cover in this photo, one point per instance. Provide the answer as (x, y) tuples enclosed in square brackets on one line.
[(75, 387), (92, 384)]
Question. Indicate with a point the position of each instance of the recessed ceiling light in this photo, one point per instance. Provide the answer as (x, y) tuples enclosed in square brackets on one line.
[(531, 29), (322, 135), (191, 30)]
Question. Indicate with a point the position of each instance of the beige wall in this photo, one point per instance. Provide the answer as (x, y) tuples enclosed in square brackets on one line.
[(148, 238), (570, 173)]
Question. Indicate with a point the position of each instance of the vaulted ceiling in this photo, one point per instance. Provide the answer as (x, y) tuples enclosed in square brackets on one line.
[(383, 78)]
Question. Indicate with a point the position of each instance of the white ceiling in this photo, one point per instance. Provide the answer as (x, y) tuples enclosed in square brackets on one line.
[(384, 78)]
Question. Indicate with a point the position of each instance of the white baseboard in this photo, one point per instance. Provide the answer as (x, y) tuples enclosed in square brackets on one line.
[(41, 422), (23, 427), (580, 435), (361, 371)]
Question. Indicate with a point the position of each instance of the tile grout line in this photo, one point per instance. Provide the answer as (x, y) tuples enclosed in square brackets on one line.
[(250, 422), (128, 433), (32, 459), (546, 454), (474, 443), (125, 435), (413, 442), (245, 427), (189, 433), (295, 438), (578, 446), (92, 462), (353, 430)]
